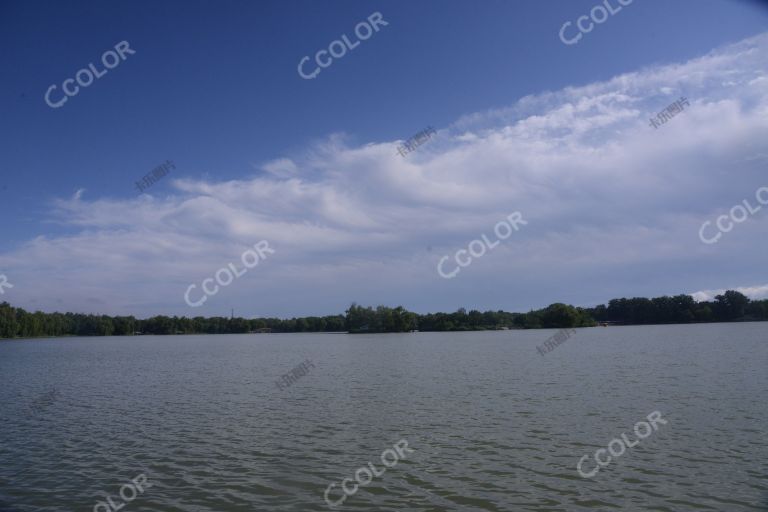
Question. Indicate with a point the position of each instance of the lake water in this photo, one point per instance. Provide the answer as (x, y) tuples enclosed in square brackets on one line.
[(494, 425)]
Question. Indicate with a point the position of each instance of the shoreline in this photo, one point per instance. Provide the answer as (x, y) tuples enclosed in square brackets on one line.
[(732, 306), (517, 329)]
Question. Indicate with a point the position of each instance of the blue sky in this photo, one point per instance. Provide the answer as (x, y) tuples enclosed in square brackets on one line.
[(524, 123)]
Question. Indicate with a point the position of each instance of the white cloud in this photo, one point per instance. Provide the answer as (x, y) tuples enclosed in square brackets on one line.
[(753, 292), (613, 205), (281, 168)]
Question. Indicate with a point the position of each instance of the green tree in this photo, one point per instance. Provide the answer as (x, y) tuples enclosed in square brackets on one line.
[(560, 315), (730, 305)]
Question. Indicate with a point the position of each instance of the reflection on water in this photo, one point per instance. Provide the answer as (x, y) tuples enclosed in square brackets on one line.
[(493, 425)]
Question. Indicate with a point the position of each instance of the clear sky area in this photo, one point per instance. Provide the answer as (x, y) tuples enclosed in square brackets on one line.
[(368, 165)]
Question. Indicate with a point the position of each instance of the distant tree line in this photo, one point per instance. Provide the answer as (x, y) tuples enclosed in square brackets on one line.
[(16, 322), (384, 319), (729, 307), (381, 319), (681, 309)]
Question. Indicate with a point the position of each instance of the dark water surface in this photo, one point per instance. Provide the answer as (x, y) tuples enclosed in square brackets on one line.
[(493, 424)]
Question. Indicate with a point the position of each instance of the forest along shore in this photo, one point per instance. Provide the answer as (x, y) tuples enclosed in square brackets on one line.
[(731, 306)]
